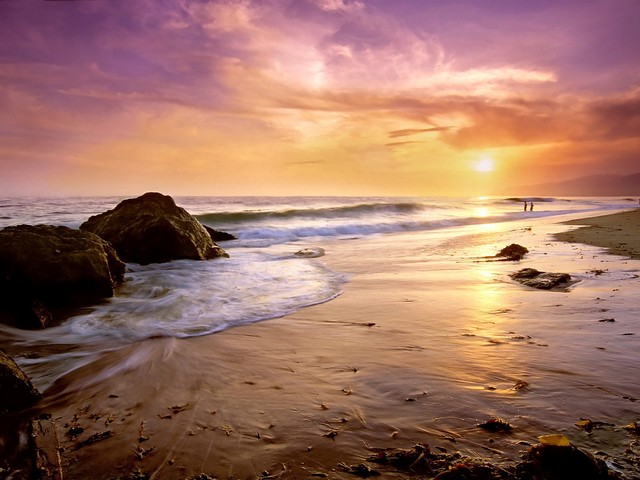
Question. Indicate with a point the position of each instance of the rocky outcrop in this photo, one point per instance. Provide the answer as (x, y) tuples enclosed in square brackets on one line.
[(219, 235), (543, 280), (16, 390), (44, 268), (153, 229)]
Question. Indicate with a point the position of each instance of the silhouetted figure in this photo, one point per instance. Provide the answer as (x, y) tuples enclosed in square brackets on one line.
[(531, 207), (525, 206)]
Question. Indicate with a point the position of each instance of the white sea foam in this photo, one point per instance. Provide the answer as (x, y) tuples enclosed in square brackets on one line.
[(187, 298)]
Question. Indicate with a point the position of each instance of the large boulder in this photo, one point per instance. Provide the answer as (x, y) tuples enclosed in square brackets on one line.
[(542, 280), (16, 390), (153, 229), (45, 268)]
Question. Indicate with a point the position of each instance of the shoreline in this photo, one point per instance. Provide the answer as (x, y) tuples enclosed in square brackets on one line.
[(618, 233), (424, 344)]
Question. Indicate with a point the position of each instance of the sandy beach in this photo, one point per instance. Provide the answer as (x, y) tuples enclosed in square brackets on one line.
[(618, 233), (427, 341)]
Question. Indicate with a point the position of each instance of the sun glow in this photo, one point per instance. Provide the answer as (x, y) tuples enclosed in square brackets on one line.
[(484, 164)]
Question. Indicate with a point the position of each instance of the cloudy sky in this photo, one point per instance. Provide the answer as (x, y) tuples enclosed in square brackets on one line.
[(315, 97)]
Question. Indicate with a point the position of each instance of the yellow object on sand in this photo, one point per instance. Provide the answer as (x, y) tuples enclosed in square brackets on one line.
[(556, 439)]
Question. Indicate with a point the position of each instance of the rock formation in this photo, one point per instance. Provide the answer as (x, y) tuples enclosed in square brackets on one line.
[(553, 462), (44, 268), (543, 280), (16, 390), (218, 235), (153, 229)]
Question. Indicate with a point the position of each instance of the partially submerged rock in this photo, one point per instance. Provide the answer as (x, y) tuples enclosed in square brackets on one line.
[(553, 459), (44, 268), (16, 390), (543, 280), (219, 235), (153, 229), (512, 252), (553, 462)]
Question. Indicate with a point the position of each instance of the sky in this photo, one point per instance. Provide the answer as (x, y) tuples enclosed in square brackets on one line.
[(315, 97)]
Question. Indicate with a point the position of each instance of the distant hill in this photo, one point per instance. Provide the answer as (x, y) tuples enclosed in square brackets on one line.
[(590, 186)]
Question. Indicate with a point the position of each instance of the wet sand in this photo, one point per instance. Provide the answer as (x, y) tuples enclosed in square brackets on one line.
[(619, 233), (425, 343)]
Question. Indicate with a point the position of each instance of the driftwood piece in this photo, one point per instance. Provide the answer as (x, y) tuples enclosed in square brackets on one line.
[(46, 449)]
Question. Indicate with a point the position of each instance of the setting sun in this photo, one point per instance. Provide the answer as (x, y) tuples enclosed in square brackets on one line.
[(484, 164)]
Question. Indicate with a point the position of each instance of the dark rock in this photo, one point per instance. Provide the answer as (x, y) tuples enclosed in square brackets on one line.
[(496, 425), (553, 462), (543, 280), (16, 390), (513, 252), (44, 267), (153, 229), (218, 235)]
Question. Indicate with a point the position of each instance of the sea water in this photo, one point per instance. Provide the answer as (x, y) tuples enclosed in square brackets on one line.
[(264, 277)]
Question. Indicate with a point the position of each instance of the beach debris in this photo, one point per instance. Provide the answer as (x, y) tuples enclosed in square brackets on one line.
[(180, 408), (310, 252), (513, 252), (75, 430), (141, 435), (419, 459), (138, 474), (607, 320), (332, 434), (555, 439), (633, 427), (46, 448), (471, 470), (520, 385), (141, 452), (96, 437), (496, 425), (346, 390), (227, 429), (266, 475), (588, 425), (531, 277), (360, 469)]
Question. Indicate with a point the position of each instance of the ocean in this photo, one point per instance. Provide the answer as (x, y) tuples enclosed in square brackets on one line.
[(263, 278), (423, 323)]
